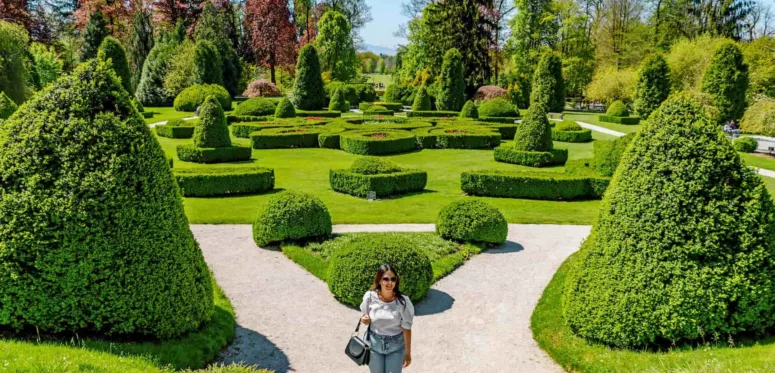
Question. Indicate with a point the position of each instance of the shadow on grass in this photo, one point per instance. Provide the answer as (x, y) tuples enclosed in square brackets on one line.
[(253, 348), (436, 301), (505, 248)]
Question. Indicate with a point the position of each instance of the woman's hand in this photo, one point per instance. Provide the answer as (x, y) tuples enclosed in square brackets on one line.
[(407, 359), (366, 320)]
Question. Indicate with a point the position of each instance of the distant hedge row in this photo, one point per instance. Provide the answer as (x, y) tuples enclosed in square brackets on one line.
[(532, 185), (207, 182)]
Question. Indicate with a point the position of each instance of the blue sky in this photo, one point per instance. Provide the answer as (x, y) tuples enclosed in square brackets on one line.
[(386, 16)]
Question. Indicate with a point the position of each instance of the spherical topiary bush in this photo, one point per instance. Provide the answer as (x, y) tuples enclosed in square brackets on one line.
[(683, 245), (291, 216), (255, 107), (351, 269), (193, 96), (469, 110), (534, 133), (472, 221), (498, 107), (746, 144), (285, 109), (422, 101), (339, 101), (111, 49), (7, 106), (93, 230), (373, 166), (617, 109), (211, 131)]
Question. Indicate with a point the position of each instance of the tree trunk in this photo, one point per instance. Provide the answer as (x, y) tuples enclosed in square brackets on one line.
[(271, 68)]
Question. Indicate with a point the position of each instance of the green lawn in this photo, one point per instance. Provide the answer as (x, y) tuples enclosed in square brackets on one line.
[(385, 79), (592, 118), (167, 113), (758, 160), (307, 170), (575, 354)]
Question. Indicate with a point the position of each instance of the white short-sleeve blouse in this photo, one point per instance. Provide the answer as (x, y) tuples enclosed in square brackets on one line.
[(387, 318)]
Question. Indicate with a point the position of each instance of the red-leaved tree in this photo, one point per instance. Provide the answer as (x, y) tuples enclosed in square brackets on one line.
[(15, 11), (272, 32)]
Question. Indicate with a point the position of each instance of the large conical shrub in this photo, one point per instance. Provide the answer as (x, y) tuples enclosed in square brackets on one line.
[(93, 232), (452, 84), (208, 68), (534, 133), (653, 86), (339, 101), (96, 31), (151, 90), (548, 84), (113, 50), (308, 92), (726, 79), (7, 106), (682, 248), (285, 109), (211, 131), (422, 101)]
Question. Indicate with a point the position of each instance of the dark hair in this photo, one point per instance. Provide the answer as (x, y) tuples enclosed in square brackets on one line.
[(377, 285)]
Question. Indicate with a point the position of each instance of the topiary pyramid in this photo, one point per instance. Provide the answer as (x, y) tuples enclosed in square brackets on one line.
[(683, 245), (617, 113), (113, 50), (212, 143), (469, 110), (308, 89), (422, 102), (93, 232), (653, 85), (339, 101), (548, 84), (285, 109), (7, 106), (727, 80), (532, 142), (452, 84)]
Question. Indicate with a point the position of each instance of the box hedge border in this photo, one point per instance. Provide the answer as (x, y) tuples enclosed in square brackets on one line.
[(507, 120), (175, 132), (361, 142), (190, 153), (392, 106), (531, 159), (406, 181), (532, 185), (278, 138), (243, 131), (583, 135), (475, 138), (619, 120), (208, 182), (318, 113), (432, 114), (244, 118)]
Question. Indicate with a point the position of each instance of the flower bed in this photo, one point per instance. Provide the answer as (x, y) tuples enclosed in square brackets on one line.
[(377, 142)]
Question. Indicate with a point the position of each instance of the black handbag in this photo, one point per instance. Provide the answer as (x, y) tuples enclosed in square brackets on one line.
[(357, 349)]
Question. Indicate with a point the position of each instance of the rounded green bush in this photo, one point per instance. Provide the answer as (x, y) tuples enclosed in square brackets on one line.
[(469, 110), (193, 96), (746, 144), (351, 269), (683, 247), (471, 220), (567, 125), (257, 107), (375, 109), (339, 101), (285, 109), (617, 109), (498, 107), (7, 106), (211, 131), (178, 123), (374, 166), (534, 133), (422, 101), (291, 215), (94, 219), (111, 49)]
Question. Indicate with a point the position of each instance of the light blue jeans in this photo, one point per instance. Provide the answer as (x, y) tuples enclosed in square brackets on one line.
[(387, 353)]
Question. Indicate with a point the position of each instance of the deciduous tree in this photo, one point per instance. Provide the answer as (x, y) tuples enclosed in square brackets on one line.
[(272, 33)]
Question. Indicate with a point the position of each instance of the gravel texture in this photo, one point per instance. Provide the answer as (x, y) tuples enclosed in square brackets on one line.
[(477, 319)]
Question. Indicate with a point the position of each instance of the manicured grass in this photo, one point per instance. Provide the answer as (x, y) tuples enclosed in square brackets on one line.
[(575, 354), (444, 255), (758, 160), (194, 350), (385, 79), (592, 118), (167, 113)]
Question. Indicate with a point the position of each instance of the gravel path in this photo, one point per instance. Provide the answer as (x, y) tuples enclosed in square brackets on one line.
[(600, 129), (477, 319)]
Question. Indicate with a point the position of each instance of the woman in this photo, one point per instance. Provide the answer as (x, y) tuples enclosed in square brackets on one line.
[(389, 314)]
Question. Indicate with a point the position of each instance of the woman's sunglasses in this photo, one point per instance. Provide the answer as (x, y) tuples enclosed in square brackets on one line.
[(391, 279)]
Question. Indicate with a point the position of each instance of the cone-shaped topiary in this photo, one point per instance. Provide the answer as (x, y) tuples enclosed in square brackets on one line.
[(653, 86), (682, 248), (112, 49), (308, 88), (291, 215), (96, 30), (472, 221), (534, 133), (211, 131), (7, 106), (422, 102), (726, 79), (469, 110), (285, 109), (93, 230), (617, 109), (548, 84), (339, 101), (208, 68), (452, 84)]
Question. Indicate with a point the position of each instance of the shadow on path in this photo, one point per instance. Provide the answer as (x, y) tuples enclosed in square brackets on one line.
[(263, 353), (505, 248), (435, 302)]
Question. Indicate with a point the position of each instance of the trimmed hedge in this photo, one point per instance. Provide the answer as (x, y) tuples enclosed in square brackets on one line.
[(175, 132), (351, 269), (498, 107), (291, 215), (422, 101), (432, 114), (394, 106), (531, 159), (384, 184), (509, 120), (507, 131), (193, 96), (243, 131), (285, 109), (369, 124), (532, 185), (207, 182), (244, 118), (318, 113), (255, 107), (339, 101), (308, 88), (190, 153), (329, 140), (607, 154), (746, 144), (619, 120), (472, 221), (469, 110), (277, 138), (617, 109), (569, 131), (377, 142), (457, 138)]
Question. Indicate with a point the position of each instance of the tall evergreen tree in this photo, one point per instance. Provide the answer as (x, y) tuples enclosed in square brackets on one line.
[(308, 92), (548, 84), (207, 64), (96, 31), (726, 79), (212, 27), (452, 94), (336, 48), (113, 50), (534, 30), (653, 86), (141, 43), (13, 69)]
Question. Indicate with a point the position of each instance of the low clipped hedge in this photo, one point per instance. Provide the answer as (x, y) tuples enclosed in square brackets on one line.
[(257, 107), (746, 144), (457, 138), (244, 118), (378, 112), (291, 215), (532, 185), (243, 131), (351, 269), (393, 123), (377, 142), (531, 159), (380, 176), (394, 106), (193, 96), (175, 132), (507, 131), (276, 138), (190, 153), (569, 131), (208, 182), (432, 114), (509, 120), (318, 113), (619, 120), (472, 221)]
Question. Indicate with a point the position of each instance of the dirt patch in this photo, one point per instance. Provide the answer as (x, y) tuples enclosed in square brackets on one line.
[(457, 132), (378, 135)]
